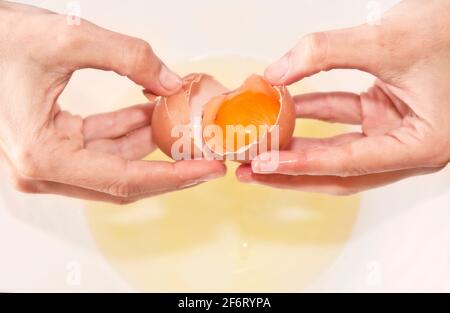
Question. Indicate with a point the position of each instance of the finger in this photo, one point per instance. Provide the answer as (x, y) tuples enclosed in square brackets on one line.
[(48, 187), (339, 107), (116, 124), (363, 156), (99, 48), (44, 187), (380, 115), (402, 108), (354, 48), (328, 184), (300, 143), (132, 146), (118, 177)]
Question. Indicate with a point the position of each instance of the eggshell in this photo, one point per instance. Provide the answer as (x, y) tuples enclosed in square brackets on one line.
[(182, 108), (285, 120), (196, 106)]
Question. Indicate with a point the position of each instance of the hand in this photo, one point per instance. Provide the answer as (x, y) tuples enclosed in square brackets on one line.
[(405, 116), (51, 151)]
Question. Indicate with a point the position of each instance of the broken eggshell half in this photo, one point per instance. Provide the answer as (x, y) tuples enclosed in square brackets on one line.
[(180, 122)]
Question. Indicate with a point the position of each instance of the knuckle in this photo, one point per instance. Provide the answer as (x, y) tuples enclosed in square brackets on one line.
[(143, 48), (315, 48), (350, 164), (27, 164), (119, 189), (122, 187), (66, 37), (141, 54)]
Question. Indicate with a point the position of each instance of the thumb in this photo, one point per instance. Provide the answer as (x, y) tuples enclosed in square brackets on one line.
[(128, 56), (352, 48)]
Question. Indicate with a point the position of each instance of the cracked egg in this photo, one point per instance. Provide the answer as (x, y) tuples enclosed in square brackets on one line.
[(205, 119)]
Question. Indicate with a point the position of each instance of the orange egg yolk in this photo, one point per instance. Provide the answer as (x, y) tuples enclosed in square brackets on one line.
[(246, 109)]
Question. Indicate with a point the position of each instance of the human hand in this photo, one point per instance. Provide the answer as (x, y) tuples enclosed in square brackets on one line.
[(405, 116), (47, 150)]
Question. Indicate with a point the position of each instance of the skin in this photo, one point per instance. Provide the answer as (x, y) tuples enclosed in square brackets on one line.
[(47, 150), (404, 117)]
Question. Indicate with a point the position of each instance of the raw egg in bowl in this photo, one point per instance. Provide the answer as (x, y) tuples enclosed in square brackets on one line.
[(206, 120)]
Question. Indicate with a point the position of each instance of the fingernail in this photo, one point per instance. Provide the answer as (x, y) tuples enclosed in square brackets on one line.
[(244, 176), (278, 70), (266, 163), (169, 79), (256, 166)]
